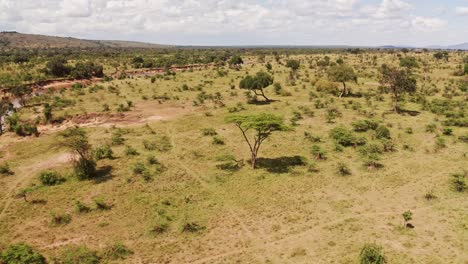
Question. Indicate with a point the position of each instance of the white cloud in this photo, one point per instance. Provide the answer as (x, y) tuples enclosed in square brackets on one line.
[(76, 8), (427, 24), (280, 21), (462, 10)]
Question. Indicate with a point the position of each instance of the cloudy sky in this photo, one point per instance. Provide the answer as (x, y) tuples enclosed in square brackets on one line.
[(245, 22)]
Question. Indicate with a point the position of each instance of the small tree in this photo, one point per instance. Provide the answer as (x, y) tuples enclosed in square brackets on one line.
[(236, 61), (293, 64), (257, 83), (398, 81), (263, 126), (342, 73), (77, 141), (407, 216)]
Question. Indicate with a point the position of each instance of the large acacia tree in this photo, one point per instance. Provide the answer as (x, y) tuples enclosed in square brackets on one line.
[(262, 126), (257, 83), (398, 81), (342, 73)]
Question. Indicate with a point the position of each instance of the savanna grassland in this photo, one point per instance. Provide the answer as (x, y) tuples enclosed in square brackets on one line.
[(338, 172)]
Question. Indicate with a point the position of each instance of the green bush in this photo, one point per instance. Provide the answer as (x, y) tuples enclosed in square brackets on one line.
[(130, 151), (60, 218), (81, 207), (84, 168), (372, 254), (218, 140), (364, 125), (117, 251), (21, 253), (50, 178), (103, 152), (149, 145), (459, 181), (78, 255), (382, 132), (318, 152), (5, 170), (346, 138), (209, 132)]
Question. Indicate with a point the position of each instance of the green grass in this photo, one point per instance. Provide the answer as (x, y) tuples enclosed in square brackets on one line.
[(280, 212)]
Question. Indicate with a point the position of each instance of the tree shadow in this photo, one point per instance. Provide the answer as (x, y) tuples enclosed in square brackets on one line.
[(280, 164), (103, 174), (409, 112), (256, 102)]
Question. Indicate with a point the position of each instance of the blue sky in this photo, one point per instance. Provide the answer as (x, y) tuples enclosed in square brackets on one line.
[(245, 22)]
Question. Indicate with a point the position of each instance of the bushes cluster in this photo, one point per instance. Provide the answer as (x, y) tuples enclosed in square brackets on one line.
[(365, 125), (21, 253), (346, 138), (50, 178)]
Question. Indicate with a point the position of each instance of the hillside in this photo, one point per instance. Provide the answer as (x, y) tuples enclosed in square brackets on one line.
[(19, 40)]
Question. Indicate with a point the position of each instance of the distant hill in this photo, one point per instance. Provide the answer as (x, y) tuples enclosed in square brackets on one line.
[(28, 41)]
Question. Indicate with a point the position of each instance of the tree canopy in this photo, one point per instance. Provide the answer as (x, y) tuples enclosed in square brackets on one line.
[(257, 83), (263, 126), (342, 73), (399, 81)]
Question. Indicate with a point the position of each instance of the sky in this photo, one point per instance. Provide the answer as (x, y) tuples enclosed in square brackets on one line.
[(245, 22)]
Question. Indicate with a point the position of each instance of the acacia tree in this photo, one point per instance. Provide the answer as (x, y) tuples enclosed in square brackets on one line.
[(76, 140), (342, 73), (399, 81), (257, 83), (263, 126)]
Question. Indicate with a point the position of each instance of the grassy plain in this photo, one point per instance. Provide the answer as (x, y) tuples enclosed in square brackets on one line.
[(291, 209)]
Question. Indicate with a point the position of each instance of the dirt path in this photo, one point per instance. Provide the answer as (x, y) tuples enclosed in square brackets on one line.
[(24, 174), (142, 113)]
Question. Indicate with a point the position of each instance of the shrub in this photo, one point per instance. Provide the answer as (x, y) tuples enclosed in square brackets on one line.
[(84, 168), (218, 140), (459, 181), (318, 152), (209, 132), (21, 253), (447, 131), (139, 168), (192, 227), (345, 138), (431, 128), (81, 207), (372, 254), (382, 132), (130, 151), (5, 170), (103, 152), (50, 178), (78, 255), (364, 125), (149, 145), (228, 162), (343, 169), (439, 143), (60, 218), (117, 138), (101, 204), (117, 251)]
